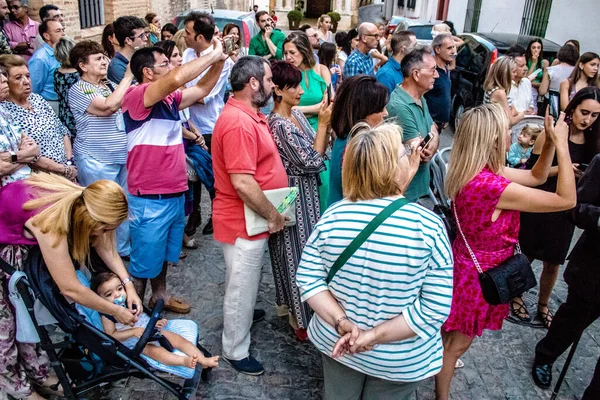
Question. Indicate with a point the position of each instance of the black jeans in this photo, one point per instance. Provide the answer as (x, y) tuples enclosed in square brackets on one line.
[(572, 316)]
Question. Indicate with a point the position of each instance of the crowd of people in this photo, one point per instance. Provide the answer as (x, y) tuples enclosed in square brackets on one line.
[(105, 147)]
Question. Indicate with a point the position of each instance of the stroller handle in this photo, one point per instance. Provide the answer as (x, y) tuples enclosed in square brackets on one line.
[(148, 332)]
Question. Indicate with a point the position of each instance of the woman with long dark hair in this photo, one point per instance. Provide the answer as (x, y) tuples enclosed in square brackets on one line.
[(547, 236), (535, 62), (110, 44), (584, 74), (327, 55), (168, 31)]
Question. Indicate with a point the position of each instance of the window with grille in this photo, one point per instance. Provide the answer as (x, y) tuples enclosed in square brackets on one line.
[(91, 13), (472, 17), (535, 17)]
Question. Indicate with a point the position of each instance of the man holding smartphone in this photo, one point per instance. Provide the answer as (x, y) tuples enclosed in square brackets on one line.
[(408, 108)]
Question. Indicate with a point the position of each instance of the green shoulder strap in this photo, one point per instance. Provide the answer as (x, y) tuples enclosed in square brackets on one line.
[(364, 235)]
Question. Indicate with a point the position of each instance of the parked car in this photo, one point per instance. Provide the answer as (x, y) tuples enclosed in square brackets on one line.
[(243, 19), (473, 61), (421, 28)]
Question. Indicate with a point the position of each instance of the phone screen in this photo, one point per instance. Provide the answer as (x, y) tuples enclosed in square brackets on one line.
[(328, 94), (426, 139), (582, 167)]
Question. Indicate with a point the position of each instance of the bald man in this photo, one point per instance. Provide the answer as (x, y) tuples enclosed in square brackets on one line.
[(360, 61)]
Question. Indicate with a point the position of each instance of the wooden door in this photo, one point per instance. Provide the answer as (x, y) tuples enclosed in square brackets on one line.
[(316, 8)]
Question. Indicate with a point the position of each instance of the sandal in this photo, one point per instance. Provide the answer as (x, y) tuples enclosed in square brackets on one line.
[(174, 304), (48, 390), (545, 317), (189, 242), (519, 311)]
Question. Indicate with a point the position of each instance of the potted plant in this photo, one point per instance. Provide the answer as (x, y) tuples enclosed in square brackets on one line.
[(335, 18), (294, 18)]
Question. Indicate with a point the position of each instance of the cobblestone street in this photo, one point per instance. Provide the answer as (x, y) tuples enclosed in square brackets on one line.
[(496, 367)]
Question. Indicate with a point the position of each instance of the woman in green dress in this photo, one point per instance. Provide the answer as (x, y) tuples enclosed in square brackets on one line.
[(316, 79)]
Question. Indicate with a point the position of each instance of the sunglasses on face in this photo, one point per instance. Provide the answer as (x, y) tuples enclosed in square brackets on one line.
[(142, 35)]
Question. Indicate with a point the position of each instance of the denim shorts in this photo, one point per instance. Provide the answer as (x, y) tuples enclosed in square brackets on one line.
[(156, 229)]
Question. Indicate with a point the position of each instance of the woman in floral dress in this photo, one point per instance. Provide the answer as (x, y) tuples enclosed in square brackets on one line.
[(302, 155), (486, 198)]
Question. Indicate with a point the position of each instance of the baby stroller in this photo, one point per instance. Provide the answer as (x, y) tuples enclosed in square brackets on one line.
[(516, 129), (88, 358), (437, 194), (439, 168)]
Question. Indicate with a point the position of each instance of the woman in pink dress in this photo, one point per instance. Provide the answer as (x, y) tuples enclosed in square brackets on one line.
[(487, 198)]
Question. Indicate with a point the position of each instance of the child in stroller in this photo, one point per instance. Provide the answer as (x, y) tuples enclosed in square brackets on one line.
[(108, 286)]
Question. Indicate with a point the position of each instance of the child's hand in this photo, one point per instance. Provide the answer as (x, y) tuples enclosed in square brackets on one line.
[(161, 324)]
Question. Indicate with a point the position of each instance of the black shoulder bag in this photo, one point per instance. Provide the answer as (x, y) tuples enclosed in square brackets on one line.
[(502, 283)]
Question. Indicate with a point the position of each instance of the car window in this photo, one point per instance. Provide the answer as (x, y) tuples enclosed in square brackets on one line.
[(422, 32), (472, 56)]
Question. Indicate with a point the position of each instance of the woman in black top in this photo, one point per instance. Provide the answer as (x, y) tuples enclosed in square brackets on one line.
[(547, 236)]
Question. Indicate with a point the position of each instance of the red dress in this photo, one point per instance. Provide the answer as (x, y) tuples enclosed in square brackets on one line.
[(492, 243)]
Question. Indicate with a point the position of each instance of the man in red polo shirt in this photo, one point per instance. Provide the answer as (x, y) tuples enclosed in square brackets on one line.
[(245, 162)]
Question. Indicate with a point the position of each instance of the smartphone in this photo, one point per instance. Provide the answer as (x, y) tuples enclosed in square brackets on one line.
[(426, 140), (582, 167), (328, 94), (229, 45)]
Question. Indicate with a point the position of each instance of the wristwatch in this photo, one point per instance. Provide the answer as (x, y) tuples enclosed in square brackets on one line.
[(13, 156)]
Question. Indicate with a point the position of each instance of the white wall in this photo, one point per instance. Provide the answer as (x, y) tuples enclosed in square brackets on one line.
[(569, 19), (575, 19), (501, 16), (457, 12)]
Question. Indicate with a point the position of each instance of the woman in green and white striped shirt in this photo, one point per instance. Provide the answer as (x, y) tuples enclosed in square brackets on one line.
[(377, 322)]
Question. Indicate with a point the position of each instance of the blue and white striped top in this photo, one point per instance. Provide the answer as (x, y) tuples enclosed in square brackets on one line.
[(404, 267), (98, 137)]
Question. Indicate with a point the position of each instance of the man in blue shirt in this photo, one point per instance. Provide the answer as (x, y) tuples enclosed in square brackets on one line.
[(438, 98), (43, 63), (131, 35), (390, 75), (360, 61)]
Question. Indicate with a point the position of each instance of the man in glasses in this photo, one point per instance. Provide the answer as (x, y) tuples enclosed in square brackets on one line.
[(360, 62), (21, 30), (156, 171), (409, 109), (131, 35)]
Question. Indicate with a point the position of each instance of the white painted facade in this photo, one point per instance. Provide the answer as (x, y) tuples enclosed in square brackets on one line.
[(569, 19), (424, 9)]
